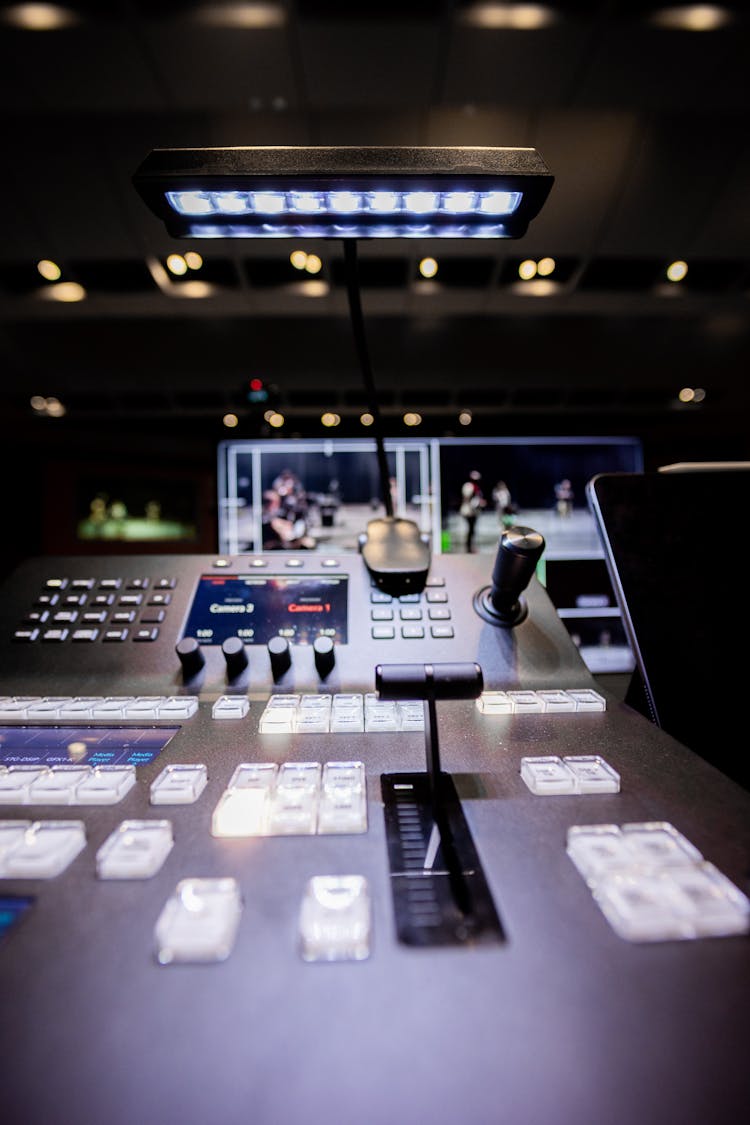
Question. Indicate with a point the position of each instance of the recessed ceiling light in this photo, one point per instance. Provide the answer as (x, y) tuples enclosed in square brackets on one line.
[(39, 17), (692, 17), (676, 271), (510, 17), (49, 270), (428, 267), (252, 17)]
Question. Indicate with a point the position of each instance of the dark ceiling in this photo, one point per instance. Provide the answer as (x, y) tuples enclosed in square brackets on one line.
[(644, 128)]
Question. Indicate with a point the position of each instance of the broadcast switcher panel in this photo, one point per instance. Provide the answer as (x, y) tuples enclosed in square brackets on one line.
[(301, 848)]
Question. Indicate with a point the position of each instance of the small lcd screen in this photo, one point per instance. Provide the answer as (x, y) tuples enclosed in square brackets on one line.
[(92, 746), (258, 607)]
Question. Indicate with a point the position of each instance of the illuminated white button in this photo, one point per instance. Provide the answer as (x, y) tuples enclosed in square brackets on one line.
[(58, 785), (342, 809), (636, 905), (105, 785), (335, 919), (16, 783), (347, 720), (381, 716), (79, 708), (411, 714), (254, 775), (48, 708), (282, 702), (136, 849), (547, 775), (596, 849), (278, 719), (592, 774), (587, 700), (300, 776), (344, 773), (199, 921), (113, 707), (12, 833), (45, 850), (241, 812), (525, 702), (494, 703), (658, 843), (230, 707), (292, 812), (556, 701), (144, 707), (313, 721), (709, 902), (178, 707), (293, 562), (13, 709), (179, 784)]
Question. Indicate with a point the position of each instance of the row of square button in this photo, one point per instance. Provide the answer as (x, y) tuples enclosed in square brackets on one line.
[(69, 708), (295, 798), (652, 884), (545, 701), (341, 713)]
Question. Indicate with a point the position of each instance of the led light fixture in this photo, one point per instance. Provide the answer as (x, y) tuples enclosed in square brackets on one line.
[(344, 192), (351, 193)]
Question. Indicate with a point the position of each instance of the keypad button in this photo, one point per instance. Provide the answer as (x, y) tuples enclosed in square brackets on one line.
[(65, 616), (85, 634), (56, 583), (160, 599), (383, 632), (436, 596), (36, 617), (47, 599), (102, 599), (138, 583), (25, 634), (83, 584), (411, 613), (412, 632), (439, 613), (131, 599), (146, 634), (74, 599), (54, 635), (115, 635), (165, 583), (442, 632), (123, 617), (94, 616), (110, 583), (152, 616), (381, 613)]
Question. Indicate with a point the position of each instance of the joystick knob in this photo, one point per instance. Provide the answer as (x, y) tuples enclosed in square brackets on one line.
[(281, 656), (518, 552), (191, 657), (325, 656), (235, 655)]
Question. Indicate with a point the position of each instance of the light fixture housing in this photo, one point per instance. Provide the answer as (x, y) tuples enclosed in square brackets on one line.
[(344, 192)]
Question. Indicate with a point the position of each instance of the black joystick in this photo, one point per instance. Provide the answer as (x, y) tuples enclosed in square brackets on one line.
[(235, 655), (518, 552), (191, 657), (324, 654), (281, 656)]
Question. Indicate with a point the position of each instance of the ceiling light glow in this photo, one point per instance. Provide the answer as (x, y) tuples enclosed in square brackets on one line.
[(366, 419), (527, 269), (692, 17), (428, 267), (676, 271), (66, 291), (49, 270), (298, 258), (313, 264), (247, 16), (329, 419), (465, 418), (276, 420), (545, 266), (39, 17), (177, 265), (193, 260), (508, 17), (412, 419)]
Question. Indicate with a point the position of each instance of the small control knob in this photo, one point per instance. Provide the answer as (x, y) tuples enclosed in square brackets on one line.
[(325, 656), (281, 656), (235, 655), (191, 656)]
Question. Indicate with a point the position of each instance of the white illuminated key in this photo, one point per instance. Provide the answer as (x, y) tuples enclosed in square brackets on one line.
[(105, 785), (254, 775), (11, 835), (292, 812), (494, 703), (58, 785), (240, 812), (48, 708), (381, 716), (593, 774), (13, 709), (230, 707), (410, 714), (199, 921), (179, 784), (555, 702), (144, 707), (46, 849), (657, 843), (344, 773), (547, 775), (79, 708), (525, 702), (136, 849), (342, 809), (597, 849), (335, 919), (112, 707), (178, 707), (16, 782), (587, 700)]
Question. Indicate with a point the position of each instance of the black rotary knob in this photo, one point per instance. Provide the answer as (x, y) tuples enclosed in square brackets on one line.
[(518, 552), (235, 655), (325, 656), (281, 656), (191, 656)]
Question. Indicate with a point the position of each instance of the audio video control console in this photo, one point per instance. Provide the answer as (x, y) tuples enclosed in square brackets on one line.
[(277, 845)]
